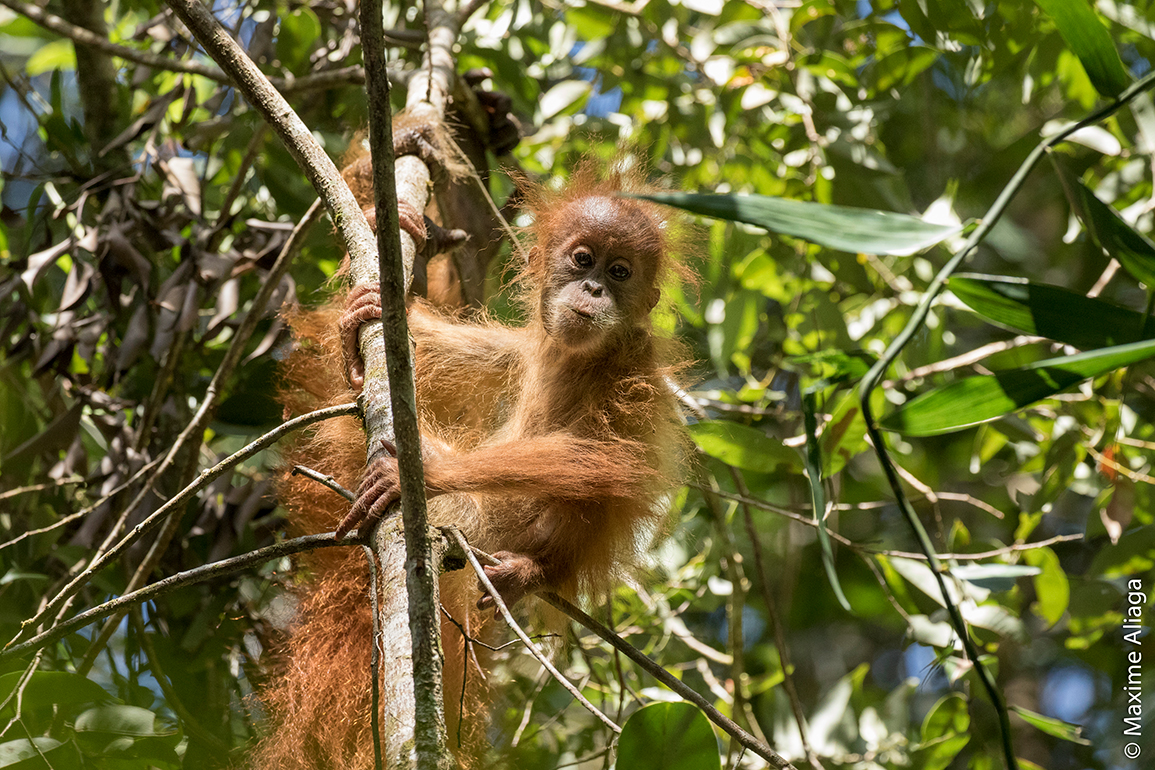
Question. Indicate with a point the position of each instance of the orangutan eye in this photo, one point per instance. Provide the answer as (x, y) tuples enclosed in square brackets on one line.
[(583, 257), (619, 272)]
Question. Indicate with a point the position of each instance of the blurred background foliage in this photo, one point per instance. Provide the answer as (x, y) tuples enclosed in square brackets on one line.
[(142, 208)]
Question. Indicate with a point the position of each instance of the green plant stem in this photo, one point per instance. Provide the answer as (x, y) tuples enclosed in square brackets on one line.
[(876, 373)]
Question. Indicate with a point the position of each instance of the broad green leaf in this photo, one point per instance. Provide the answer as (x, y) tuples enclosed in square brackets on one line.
[(561, 96), (54, 56), (993, 577), (919, 575), (855, 230), (1088, 39), (296, 36), (40, 754), (49, 688), (976, 400), (741, 446), (1052, 726), (1048, 311), (1052, 589), (818, 496), (119, 720), (944, 733), (1134, 250), (668, 736)]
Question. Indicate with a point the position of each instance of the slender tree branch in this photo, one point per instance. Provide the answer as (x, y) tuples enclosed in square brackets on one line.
[(668, 679), (374, 658), (323, 480), (352, 75), (455, 533), (204, 414), (775, 619), (422, 570), (83, 511), (175, 503), (160, 588)]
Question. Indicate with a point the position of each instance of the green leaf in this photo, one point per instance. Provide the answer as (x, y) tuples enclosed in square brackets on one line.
[(119, 721), (561, 96), (49, 688), (40, 754), (741, 446), (1134, 250), (1052, 726), (856, 230), (1048, 311), (297, 36), (993, 577), (1088, 39), (1052, 589), (944, 733), (57, 55), (818, 495), (976, 400), (668, 736)]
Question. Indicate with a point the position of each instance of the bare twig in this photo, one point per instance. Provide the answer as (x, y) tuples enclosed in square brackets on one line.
[(353, 75), (84, 511), (517, 629), (160, 588), (374, 659), (175, 503), (810, 522), (39, 487), (666, 678), (323, 480), (204, 414), (964, 359)]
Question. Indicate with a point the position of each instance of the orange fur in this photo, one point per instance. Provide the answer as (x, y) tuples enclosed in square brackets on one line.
[(558, 455)]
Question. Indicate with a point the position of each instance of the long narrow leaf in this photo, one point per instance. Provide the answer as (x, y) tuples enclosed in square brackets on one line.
[(979, 399), (1134, 250), (818, 495), (844, 228), (1088, 39), (1048, 311)]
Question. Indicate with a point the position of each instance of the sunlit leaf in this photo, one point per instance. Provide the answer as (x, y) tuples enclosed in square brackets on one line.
[(1049, 311), (944, 732), (56, 55), (1088, 39), (561, 96), (49, 688), (975, 400), (993, 577), (39, 754), (845, 228), (668, 736), (1052, 589), (741, 446), (1134, 250), (1052, 726)]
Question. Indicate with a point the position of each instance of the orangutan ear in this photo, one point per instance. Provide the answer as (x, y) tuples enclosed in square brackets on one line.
[(655, 296)]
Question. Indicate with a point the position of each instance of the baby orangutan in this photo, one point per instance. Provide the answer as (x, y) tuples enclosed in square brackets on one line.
[(551, 445), (564, 486)]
